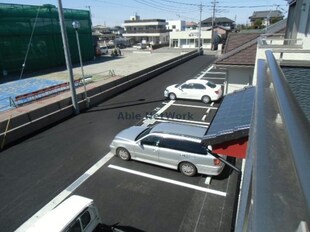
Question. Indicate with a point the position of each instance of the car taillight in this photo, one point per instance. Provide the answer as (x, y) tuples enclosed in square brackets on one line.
[(217, 91), (216, 162)]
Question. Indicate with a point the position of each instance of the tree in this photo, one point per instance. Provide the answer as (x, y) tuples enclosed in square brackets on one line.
[(258, 24)]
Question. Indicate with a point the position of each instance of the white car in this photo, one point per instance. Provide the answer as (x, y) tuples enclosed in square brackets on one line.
[(104, 50), (195, 89)]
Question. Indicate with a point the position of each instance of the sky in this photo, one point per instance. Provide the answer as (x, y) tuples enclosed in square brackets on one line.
[(115, 12)]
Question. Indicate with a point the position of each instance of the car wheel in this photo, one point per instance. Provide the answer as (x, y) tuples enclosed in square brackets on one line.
[(188, 169), (206, 99), (172, 96), (123, 154)]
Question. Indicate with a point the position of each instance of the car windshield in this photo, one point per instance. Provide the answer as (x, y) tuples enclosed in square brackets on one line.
[(177, 85), (211, 84), (143, 133)]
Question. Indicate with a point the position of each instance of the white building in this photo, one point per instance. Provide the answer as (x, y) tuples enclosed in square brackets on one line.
[(148, 31), (189, 39), (176, 25)]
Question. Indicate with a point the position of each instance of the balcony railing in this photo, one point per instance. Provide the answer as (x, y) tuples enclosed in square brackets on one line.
[(275, 194)]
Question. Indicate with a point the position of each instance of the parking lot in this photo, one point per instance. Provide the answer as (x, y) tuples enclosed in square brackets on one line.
[(73, 158), (163, 198)]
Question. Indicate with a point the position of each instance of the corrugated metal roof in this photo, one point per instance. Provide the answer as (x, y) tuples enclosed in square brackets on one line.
[(233, 118)]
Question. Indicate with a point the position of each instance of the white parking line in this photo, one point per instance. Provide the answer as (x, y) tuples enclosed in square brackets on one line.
[(65, 193), (203, 117), (168, 180), (195, 106), (215, 78), (151, 120)]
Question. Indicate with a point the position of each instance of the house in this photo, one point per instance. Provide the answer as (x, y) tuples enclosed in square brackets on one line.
[(189, 39), (148, 31), (267, 17), (239, 57), (221, 21), (191, 26), (176, 25)]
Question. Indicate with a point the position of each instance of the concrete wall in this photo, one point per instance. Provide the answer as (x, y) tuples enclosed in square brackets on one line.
[(38, 119), (238, 78)]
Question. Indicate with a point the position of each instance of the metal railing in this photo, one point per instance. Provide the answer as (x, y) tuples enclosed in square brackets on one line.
[(275, 194)]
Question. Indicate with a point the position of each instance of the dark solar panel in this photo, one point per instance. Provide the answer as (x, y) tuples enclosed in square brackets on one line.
[(233, 117)]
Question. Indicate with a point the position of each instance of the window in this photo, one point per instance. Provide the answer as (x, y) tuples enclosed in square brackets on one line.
[(211, 84), (183, 145), (76, 227), (85, 219), (151, 140), (199, 86), (144, 133), (187, 86)]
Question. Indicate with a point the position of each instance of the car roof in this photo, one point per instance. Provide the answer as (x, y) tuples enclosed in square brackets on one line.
[(179, 129), (204, 82), (60, 217)]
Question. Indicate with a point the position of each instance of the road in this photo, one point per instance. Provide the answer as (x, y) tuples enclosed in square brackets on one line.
[(40, 168)]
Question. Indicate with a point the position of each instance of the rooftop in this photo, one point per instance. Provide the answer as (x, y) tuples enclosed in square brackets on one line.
[(233, 118)]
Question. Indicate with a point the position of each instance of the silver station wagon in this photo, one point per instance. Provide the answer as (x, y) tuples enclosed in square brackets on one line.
[(171, 145)]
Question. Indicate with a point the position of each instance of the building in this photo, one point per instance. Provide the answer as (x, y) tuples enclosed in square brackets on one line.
[(19, 21), (189, 39), (224, 22), (176, 25), (275, 193), (148, 31), (266, 17), (191, 26), (239, 57)]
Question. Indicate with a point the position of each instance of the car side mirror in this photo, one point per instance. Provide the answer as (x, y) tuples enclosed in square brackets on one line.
[(139, 143)]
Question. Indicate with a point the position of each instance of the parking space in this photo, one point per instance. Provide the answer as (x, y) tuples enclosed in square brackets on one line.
[(191, 112), (144, 197), (138, 196)]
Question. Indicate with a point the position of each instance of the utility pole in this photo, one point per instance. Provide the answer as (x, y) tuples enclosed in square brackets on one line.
[(199, 33), (68, 57), (213, 21)]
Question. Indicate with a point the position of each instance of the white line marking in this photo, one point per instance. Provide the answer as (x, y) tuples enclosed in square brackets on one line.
[(151, 120), (208, 111), (204, 117), (193, 106), (180, 120), (214, 78), (169, 181), (65, 193), (170, 103), (212, 103)]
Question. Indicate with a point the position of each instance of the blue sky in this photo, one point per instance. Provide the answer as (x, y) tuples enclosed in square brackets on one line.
[(114, 12)]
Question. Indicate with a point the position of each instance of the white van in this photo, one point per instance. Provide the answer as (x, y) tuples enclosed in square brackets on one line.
[(75, 214)]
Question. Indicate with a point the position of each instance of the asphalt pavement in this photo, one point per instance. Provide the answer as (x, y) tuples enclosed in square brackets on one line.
[(40, 168)]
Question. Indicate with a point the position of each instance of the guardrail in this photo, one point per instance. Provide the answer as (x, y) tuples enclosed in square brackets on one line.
[(275, 193)]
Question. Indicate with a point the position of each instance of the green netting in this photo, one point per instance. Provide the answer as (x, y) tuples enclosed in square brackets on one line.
[(46, 50)]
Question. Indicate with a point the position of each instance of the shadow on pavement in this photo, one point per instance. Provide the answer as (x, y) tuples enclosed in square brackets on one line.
[(122, 105)]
